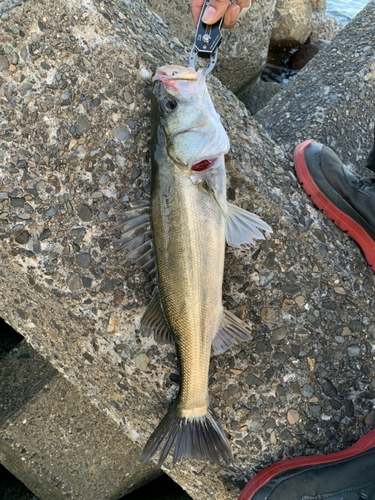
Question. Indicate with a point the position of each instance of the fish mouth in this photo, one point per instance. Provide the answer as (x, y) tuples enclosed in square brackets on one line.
[(182, 80), (168, 74)]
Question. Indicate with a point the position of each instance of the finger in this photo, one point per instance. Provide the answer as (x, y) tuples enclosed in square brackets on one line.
[(243, 12), (196, 8), (244, 4), (231, 16), (215, 11)]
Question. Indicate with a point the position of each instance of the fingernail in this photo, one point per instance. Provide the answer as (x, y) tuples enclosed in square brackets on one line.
[(209, 15)]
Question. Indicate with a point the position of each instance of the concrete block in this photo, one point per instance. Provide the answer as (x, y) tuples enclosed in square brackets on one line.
[(291, 24), (332, 98), (55, 441)]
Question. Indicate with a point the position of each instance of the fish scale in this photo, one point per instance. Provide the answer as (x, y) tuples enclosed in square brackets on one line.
[(191, 247)]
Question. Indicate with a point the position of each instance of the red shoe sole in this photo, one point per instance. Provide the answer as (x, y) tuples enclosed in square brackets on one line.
[(365, 443), (341, 220)]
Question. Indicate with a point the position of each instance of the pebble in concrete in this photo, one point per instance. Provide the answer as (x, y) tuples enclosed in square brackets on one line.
[(353, 351), (142, 361), (307, 390), (293, 416)]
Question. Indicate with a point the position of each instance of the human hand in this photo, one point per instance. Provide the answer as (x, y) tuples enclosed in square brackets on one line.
[(218, 9)]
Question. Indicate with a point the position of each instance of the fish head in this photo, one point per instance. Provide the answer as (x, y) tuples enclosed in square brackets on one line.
[(195, 136)]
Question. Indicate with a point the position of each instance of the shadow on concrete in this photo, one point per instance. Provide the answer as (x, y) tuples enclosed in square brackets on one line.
[(11, 488), (162, 488), (21, 378), (9, 338)]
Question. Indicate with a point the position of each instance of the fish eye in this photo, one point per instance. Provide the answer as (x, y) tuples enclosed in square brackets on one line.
[(168, 104)]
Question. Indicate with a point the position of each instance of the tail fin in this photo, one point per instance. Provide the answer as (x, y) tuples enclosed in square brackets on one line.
[(193, 437)]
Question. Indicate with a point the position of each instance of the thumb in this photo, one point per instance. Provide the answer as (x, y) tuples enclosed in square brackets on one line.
[(215, 10)]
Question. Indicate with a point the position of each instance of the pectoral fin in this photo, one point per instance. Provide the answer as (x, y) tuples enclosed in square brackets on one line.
[(231, 331), (242, 226), (154, 320), (210, 190)]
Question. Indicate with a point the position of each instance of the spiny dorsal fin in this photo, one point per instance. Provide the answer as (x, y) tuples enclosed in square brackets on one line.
[(242, 226), (154, 320), (231, 331)]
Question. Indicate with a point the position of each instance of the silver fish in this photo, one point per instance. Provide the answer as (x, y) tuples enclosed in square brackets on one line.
[(190, 220)]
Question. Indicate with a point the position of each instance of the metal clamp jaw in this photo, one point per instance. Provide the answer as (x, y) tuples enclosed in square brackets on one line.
[(207, 41)]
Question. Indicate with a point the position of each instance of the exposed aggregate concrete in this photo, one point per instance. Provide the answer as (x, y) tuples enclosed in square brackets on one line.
[(74, 137)]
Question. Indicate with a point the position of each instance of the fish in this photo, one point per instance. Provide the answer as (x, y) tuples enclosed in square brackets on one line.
[(181, 236)]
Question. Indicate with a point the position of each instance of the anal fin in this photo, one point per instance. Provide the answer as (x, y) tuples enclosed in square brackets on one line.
[(154, 320), (231, 331), (243, 226)]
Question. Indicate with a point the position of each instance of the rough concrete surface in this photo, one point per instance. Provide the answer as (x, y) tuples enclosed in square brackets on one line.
[(332, 99), (161, 488), (323, 27), (74, 114), (57, 443), (258, 95), (291, 23), (318, 5)]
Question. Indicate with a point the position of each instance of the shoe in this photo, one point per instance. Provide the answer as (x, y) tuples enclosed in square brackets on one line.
[(344, 198), (370, 162), (344, 475)]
